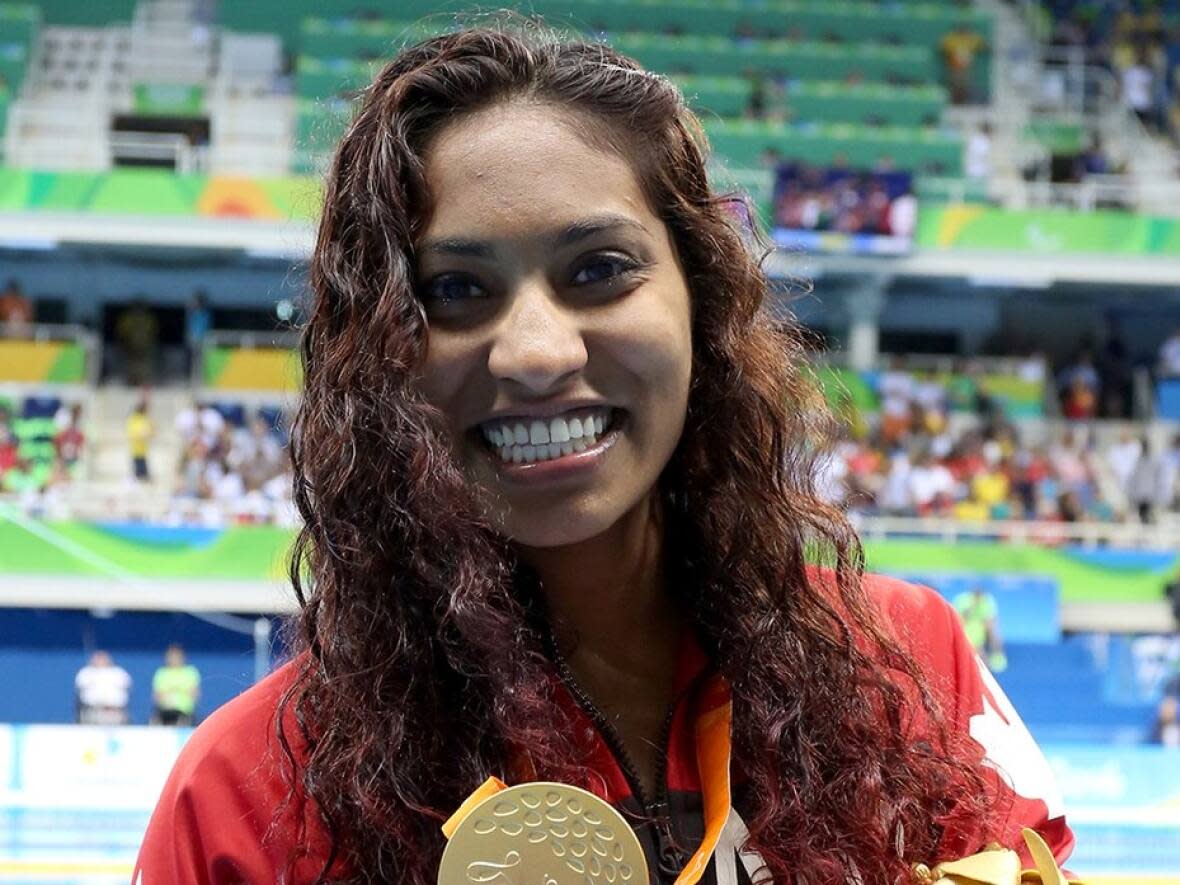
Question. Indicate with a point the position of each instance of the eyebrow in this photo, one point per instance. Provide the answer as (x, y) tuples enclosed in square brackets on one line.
[(567, 236)]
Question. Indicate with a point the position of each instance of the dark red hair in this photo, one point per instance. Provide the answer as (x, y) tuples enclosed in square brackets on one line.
[(426, 664)]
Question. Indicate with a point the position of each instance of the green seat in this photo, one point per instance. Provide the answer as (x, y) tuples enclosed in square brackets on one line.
[(829, 20), (92, 13), (722, 96), (868, 103), (330, 77), (743, 144), (791, 60)]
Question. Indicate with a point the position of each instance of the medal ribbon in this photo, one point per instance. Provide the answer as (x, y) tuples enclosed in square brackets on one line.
[(713, 722)]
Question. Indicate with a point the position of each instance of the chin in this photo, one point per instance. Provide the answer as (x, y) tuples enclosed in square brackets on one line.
[(555, 532)]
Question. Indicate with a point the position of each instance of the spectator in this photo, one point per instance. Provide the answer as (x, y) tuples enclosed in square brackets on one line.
[(69, 441), (895, 493), (198, 322), (139, 435), (103, 690), (1081, 369), (1081, 400), (1169, 358), (1122, 457), (1071, 466), (1148, 484), (1115, 374), (977, 162), (980, 615), (960, 47), (9, 450), (137, 331), (896, 391), (16, 311), (1138, 82), (1167, 723), (176, 687), (931, 486)]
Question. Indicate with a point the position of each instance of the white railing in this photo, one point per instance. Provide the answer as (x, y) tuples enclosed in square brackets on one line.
[(129, 502), (158, 147), (1090, 535), (114, 501)]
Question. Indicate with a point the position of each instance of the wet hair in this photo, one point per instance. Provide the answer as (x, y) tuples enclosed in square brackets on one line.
[(423, 667)]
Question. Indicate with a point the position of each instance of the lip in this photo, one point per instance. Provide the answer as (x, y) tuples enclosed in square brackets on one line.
[(573, 467)]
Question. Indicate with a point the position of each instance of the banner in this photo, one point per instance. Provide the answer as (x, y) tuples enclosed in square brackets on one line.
[(1046, 231), (42, 362), (155, 193), (252, 368), (1081, 575)]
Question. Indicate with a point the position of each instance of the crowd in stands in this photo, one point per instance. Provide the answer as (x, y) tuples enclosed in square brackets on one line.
[(236, 464), (912, 461), (1139, 41), (41, 445)]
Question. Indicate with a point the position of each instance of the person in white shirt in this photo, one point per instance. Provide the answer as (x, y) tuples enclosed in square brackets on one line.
[(103, 691), (977, 162), (1169, 365), (1121, 458), (931, 485)]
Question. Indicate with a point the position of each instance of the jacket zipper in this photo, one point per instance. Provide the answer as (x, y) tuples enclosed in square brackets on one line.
[(659, 810)]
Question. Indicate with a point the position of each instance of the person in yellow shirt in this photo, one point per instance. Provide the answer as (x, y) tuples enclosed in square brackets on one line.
[(959, 49), (139, 435), (176, 686), (990, 487)]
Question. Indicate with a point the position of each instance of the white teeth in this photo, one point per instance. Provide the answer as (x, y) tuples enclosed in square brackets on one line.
[(543, 440)]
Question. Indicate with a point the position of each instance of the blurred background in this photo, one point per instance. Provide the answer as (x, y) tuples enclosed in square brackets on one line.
[(985, 196)]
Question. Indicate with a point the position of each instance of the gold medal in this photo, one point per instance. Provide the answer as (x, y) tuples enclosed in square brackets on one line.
[(543, 834)]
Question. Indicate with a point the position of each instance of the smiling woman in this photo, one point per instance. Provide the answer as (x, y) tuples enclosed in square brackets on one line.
[(555, 467)]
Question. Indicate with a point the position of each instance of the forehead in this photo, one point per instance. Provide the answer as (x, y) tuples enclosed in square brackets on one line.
[(517, 167)]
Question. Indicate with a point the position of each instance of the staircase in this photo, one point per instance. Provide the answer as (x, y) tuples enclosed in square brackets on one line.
[(79, 79)]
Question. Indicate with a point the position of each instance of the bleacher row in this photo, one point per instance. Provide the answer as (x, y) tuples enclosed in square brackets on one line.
[(801, 80), (855, 81)]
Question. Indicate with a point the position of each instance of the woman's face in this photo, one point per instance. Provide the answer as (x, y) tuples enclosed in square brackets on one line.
[(559, 322)]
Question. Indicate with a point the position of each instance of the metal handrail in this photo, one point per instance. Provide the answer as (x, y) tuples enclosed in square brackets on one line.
[(153, 146), (1089, 535)]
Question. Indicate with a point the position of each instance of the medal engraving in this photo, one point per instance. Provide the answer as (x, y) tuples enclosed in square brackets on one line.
[(543, 834)]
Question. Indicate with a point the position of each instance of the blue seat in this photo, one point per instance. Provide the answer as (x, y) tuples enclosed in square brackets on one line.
[(40, 407), (233, 413)]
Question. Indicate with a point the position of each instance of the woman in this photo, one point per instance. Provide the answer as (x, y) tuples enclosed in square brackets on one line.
[(554, 467)]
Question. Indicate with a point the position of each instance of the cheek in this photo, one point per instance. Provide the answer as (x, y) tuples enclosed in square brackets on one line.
[(656, 348), (449, 363)]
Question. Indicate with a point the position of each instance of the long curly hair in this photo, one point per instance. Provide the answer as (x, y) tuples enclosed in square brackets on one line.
[(424, 668)]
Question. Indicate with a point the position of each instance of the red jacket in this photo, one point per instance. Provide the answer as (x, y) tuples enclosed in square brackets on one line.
[(212, 821)]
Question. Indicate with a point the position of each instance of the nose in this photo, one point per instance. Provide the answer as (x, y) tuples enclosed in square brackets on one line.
[(538, 344)]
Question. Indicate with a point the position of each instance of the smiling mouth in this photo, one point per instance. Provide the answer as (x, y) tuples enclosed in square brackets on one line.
[(520, 441)]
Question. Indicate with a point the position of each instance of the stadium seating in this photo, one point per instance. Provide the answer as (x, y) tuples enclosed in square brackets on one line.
[(19, 24), (851, 81)]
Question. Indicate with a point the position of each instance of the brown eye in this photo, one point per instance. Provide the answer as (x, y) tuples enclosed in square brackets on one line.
[(602, 268), (450, 288)]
